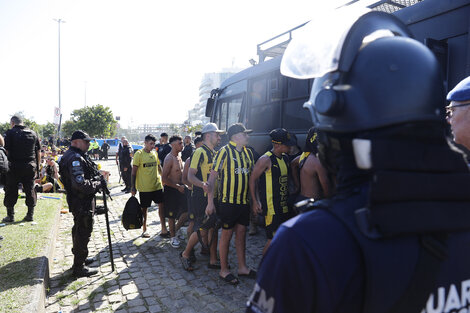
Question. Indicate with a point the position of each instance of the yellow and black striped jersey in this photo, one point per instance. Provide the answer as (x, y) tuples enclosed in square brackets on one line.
[(202, 160), (234, 169), (273, 185)]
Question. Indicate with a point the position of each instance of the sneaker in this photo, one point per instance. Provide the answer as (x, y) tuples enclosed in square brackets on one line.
[(180, 234), (174, 242)]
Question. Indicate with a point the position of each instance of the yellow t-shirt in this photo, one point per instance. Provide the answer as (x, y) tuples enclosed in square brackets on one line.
[(148, 179)]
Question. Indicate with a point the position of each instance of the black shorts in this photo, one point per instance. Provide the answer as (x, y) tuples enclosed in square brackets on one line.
[(175, 202), (231, 214), (201, 220), (273, 222), (146, 198)]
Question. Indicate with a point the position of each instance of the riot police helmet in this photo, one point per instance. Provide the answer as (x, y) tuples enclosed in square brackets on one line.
[(382, 77)]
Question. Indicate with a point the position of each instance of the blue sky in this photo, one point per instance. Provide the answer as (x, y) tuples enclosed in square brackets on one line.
[(143, 58)]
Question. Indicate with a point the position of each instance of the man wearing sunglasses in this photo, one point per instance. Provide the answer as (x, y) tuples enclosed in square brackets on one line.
[(458, 112)]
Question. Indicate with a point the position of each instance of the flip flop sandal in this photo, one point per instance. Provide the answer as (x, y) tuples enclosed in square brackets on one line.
[(145, 235), (251, 274), (230, 279), (186, 263), (165, 235), (216, 266)]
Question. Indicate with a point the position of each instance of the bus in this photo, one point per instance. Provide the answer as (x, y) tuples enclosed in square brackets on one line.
[(263, 99)]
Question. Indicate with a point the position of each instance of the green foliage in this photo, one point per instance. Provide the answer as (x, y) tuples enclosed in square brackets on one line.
[(97, 121), (48, 130), (68, 127), (4, 127)]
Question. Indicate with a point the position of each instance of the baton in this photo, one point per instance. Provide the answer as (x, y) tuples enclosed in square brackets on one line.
[(107, 227)]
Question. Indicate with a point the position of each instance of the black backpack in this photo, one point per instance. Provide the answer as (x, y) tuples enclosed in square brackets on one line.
[(4, 165), (132, 217)]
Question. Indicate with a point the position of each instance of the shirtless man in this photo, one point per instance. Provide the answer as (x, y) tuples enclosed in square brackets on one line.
[(174, 199), (314, 181)]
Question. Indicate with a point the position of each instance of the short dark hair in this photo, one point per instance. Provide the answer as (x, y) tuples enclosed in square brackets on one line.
[(150, 137), (175, 137), (163, 135), (197, 140), (16, 120)]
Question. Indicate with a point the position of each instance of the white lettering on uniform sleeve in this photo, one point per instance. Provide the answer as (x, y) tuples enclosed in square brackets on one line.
[(453, 300)]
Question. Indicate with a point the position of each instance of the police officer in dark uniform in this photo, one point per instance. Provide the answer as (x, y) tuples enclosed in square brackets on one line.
[(81, 180), (125, 160), (395, 236), (24, 154)]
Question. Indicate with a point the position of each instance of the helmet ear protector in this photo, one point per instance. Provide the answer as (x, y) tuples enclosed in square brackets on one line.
[(329, 100)]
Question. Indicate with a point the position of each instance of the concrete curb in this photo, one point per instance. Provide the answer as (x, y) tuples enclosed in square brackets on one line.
[(38, 295)]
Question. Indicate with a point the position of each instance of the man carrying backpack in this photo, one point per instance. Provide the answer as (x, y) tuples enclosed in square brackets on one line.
[(23, 149), (395, 236)]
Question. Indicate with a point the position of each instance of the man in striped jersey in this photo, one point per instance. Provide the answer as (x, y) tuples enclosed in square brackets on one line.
[(198, 173), (271, 175), (233, 164)]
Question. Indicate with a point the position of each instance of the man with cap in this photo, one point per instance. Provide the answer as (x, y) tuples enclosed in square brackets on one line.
[(24, 154), (79, 176), (232, 165), (458, 112), (198, 174), (269, 183)]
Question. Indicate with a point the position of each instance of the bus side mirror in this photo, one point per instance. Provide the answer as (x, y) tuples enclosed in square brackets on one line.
[(209, 107)]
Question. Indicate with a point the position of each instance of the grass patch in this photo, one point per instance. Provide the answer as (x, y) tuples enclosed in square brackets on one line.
[(21, 249), (75, 285)]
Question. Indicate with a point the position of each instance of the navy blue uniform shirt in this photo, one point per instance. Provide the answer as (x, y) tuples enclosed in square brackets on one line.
[(314, 264)]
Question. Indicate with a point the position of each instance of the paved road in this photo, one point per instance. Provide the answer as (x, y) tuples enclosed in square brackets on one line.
[(148, 275)]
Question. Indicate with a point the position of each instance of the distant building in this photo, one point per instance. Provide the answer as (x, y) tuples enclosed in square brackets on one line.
[(197, 115)]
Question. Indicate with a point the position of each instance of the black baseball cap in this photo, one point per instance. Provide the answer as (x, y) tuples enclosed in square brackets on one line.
[(79, 134), (237, 128), (282, 136)]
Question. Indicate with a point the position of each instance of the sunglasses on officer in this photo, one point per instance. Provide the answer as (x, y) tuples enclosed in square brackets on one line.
[(451, 107)]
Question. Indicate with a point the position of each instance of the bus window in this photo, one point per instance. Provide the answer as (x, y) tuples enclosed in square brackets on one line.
[(223, 115), (264, 118), (234, 109), (258, 91), (229, 111), (298, 87), (294, 116), (274, 90)]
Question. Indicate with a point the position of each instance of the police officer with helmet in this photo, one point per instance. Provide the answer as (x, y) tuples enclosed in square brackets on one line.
[(81, 180), (23, 149), (395, 236)]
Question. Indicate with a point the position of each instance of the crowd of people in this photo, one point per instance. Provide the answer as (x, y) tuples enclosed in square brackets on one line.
[(208, 187)]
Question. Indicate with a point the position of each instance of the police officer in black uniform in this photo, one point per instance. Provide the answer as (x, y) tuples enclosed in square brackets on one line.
[(24, 154), (81, 180), (395, 236), (125, 160)]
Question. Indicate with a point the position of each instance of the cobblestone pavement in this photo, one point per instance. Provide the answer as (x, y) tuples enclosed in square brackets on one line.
[(148, 276)]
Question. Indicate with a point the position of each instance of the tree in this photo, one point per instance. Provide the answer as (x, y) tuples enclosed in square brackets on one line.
[(68, 127), (97, 121), (4, 127), (48, 130)]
